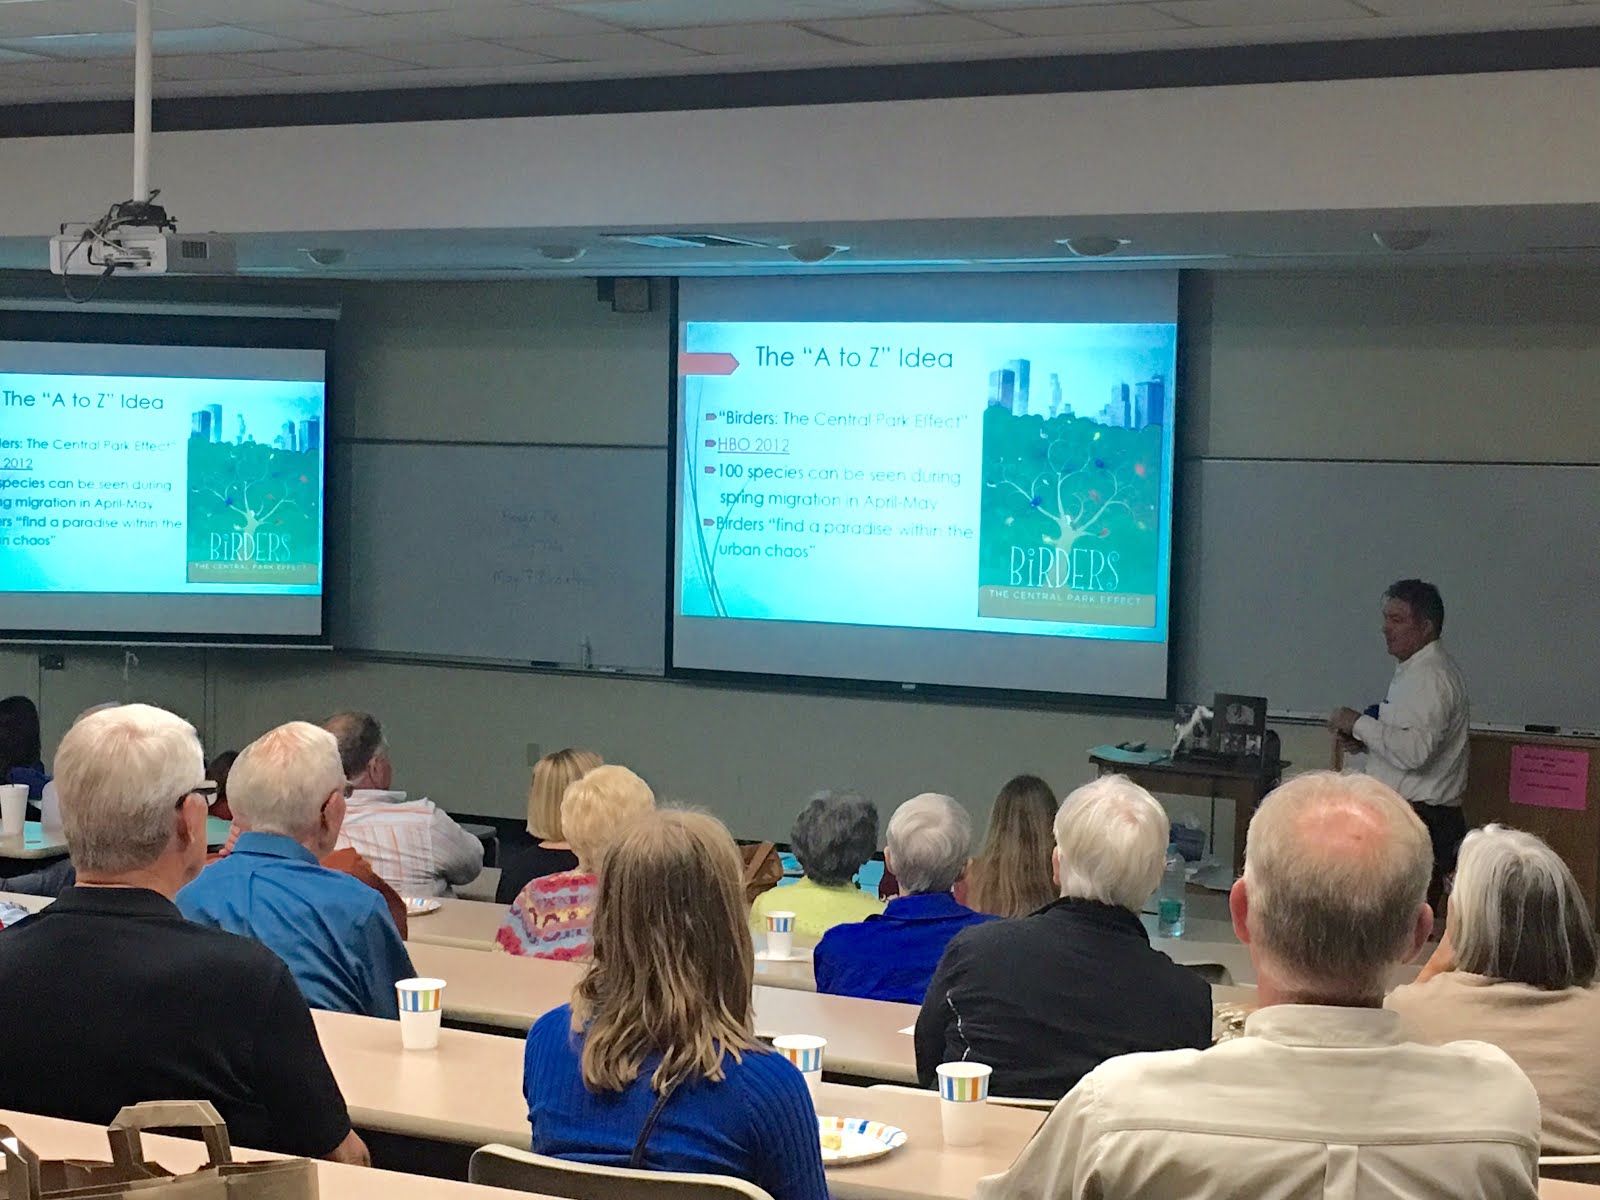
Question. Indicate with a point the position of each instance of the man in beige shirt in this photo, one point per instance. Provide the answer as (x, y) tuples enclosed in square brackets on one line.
[(1323, 1096)]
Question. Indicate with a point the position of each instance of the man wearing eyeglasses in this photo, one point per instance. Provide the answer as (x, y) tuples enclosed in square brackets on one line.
[(287, 791), (113, 998)]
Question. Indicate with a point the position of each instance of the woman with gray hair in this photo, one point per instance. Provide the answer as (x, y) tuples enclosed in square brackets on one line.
[(1516, 968), (892, 956), (833, 835)]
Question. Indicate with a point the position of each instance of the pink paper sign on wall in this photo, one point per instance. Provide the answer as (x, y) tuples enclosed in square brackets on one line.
[(1546, 777)]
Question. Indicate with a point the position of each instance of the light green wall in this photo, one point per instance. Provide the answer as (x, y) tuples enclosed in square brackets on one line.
[(1473, 363)]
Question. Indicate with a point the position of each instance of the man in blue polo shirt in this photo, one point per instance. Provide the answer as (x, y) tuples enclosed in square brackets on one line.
[(287, 791), (892, 956)]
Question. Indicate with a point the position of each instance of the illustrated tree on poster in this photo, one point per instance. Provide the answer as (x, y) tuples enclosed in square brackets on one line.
[(1064, 481), (252, 488)]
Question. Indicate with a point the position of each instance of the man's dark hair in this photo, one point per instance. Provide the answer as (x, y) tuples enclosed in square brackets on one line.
[(1421, 598), (360, 737)]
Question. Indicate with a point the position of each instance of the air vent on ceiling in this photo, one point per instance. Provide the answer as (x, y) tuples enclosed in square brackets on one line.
[(683, 241)]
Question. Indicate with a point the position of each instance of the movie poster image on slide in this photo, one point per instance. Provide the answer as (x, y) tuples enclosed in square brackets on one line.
[(985, 477), (255, 502)]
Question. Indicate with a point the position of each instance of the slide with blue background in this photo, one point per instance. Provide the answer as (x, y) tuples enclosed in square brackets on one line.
[(1003, 478), (152, 484)]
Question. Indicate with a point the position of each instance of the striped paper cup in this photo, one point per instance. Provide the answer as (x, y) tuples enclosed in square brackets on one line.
[(963, 1088), (420, 995), (780, 922), (804, 1050), (964, 1082)]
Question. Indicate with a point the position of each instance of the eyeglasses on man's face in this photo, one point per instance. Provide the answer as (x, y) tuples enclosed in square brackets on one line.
[(205, 788)]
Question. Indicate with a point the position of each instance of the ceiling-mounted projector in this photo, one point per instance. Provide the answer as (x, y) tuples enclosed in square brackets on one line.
[(140, 251), (136, 236)]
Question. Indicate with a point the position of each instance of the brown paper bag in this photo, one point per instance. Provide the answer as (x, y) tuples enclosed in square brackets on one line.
[(129, 1175)]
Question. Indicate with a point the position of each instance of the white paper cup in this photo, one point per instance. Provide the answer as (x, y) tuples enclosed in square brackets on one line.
[(421, 1011), (804, 1050), (963, 1093), (13, 809), (780, 935)]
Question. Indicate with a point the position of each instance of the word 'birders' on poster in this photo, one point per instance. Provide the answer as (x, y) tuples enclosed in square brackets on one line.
[(965, 476)]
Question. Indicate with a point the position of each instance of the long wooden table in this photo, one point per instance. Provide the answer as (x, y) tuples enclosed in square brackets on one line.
[(505, 992), (471, 925), (469, 1092), (50, 1137)]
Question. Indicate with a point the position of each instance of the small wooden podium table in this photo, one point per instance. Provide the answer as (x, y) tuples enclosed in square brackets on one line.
[(1245, 787)]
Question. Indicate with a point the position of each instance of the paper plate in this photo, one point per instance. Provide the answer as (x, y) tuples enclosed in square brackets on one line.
[(859, 1140), (421, 906), (800, 954)]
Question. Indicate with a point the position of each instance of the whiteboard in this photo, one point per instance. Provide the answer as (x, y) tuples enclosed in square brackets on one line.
[(514, 553), (1282, 566)]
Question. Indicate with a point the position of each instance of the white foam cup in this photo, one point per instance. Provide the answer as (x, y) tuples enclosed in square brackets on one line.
[(13, 809)]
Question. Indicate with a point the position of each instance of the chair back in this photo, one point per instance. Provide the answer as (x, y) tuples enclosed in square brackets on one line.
[(1574, 1168), (521, 1171)]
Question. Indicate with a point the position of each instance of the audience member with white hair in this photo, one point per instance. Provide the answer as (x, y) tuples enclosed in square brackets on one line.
[(1516, 968), (1045, 998), (287, 790), (113, 998), (1323, 1096), (892, 956)]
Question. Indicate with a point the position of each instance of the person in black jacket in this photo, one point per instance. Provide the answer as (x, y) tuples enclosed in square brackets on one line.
[(1046, 998)]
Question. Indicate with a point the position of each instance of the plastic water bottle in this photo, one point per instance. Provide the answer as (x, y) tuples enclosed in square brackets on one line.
[(1170, 896)]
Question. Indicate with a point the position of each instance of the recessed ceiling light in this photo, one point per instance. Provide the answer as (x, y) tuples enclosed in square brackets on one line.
[(1401, 240), (560, 253), (323, 256), (813, 250), (1092, 245)]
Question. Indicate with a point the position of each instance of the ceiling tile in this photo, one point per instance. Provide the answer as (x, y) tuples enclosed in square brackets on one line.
[(350, 30), (324, 62), (212, 39), (11, 56), (1453, 8), (200, 67), (1260, 12), (670, 14), (414, 6), (747, 39), (1082, 20), (32, 18), (499, 21), (910, 31), (243, 12), (463, 54), (602, 47), (65, 74)]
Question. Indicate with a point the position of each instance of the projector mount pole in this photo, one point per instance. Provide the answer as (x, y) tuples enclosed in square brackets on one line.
[(143, 69)]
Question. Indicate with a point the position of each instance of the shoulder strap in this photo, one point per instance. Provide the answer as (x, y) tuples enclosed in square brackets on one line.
[(754, 858), (636, 1161)]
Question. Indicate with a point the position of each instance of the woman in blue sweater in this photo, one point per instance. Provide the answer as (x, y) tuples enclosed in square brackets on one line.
[(655, 1064)]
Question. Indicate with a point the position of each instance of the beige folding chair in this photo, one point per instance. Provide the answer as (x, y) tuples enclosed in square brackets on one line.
[(1003, 1101), (1574, 1168), (506, 1167)]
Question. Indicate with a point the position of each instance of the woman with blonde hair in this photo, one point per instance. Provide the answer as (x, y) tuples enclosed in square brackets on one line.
[(544, 850), (1516, 969), (1011, 877), (655, 1064), (550, 917)]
